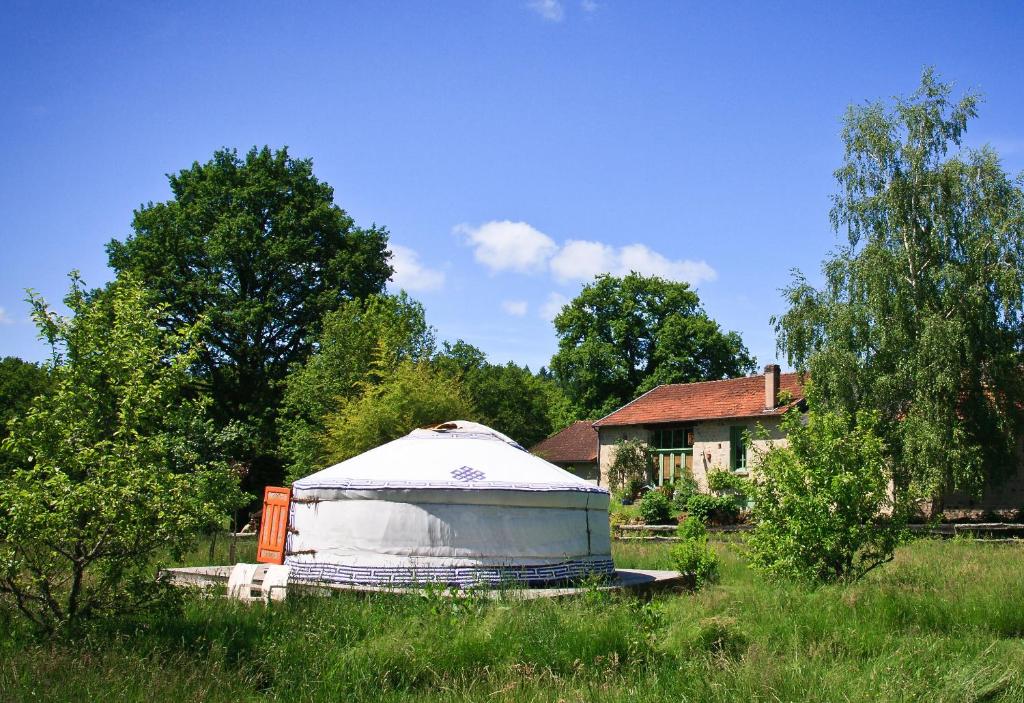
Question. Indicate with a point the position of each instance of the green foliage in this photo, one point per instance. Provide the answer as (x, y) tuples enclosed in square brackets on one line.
[(693, 555), (622, 336), (921, 315), (114, 464), (20, 382), (631, 468), (257, 248), (655, 508), (509, 398), (692, 528), (685, 488), (362, 342), (712, 508), (820, 500), (943, 623), (723, 480), (412, 395)]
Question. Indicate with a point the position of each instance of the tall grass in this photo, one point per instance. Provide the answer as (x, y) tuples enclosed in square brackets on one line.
[(944, 622)]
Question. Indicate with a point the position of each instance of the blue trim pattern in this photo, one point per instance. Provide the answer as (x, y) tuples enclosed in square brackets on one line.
[(463, 576)]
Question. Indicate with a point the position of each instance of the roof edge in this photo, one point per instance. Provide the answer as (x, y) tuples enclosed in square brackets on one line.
[(774, 412)]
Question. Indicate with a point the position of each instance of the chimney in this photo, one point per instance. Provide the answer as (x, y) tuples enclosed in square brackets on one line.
[(771, 386)]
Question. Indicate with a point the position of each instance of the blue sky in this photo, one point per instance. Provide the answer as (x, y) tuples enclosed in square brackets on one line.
[(512, 148)]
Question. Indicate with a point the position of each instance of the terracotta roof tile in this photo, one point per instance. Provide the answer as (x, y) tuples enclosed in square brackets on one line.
[(707, 400), (576, 443)]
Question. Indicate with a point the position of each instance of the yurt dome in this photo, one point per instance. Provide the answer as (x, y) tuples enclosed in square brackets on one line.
[(458, 504)]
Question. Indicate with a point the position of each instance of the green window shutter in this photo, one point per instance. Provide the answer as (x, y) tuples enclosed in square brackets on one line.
[(737, 448)]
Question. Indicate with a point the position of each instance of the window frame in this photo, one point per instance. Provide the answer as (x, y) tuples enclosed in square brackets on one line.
[(739, 450), (686, 438)]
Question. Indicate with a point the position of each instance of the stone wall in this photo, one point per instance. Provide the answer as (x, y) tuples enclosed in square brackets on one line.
[(608, 437), (711, 448)]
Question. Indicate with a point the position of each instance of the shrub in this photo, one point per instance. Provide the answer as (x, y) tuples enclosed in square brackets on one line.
[(685, 487), (722, 480), (708, 508), (694, 556), (631, 468), (820, 500), (655, 508), (692, 528)]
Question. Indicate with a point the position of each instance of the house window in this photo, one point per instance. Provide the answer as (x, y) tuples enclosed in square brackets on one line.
[(738, 448), (673, 453)]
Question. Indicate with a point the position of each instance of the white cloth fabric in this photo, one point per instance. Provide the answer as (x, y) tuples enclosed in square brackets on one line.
[(455, 504)]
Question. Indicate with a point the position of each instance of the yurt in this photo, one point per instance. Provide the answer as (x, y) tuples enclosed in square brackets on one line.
[(458, 504)]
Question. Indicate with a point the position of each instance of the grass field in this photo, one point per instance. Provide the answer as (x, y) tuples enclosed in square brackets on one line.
[(944, 622)]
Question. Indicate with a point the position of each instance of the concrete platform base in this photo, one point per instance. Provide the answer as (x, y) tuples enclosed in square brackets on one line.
[(632, 580)]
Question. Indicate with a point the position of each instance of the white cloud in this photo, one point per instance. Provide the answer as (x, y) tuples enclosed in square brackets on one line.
[(582, 260), (517, 246), (514, 307), (637, 257), (550, 10), (5, 319), (588, 5), (552, 306), (412, 275), (508, 246)]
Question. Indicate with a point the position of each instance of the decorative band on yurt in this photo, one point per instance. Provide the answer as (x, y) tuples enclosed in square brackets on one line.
[(463, 576)]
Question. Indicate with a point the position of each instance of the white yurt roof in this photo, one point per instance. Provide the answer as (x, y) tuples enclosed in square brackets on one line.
[(455, 455)]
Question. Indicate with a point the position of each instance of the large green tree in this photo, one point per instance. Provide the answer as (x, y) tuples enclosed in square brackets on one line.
[(622, 336), (115, 466), (507, 397), (921, 314), (258, 248), (361, 342)]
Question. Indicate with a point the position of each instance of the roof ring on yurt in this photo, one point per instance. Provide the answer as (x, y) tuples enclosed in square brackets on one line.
[(457, 503)]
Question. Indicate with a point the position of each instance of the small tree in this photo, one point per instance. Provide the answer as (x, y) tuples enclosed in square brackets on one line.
[(631, 468), (362, 339), (412, 395), (693, 555), (821, 502), (113, 464)]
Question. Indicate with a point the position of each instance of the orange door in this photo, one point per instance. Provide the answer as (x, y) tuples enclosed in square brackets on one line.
[(274, 525)]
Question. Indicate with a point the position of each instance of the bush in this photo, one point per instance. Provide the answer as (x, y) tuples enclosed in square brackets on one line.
[(722, 480), (694, 556), (685, 487), (820, 500), (631, 469), (721, 510), (692, 528), (655, 508)]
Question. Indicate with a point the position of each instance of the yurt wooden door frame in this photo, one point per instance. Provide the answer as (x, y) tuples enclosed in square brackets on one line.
[(274, 525)]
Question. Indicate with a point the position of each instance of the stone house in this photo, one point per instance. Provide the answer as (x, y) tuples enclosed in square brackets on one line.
[(697, 428), (574, 449)]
